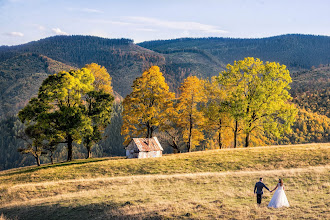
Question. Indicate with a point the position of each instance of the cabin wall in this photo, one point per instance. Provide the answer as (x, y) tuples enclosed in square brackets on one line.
[(150, 154), (132, 151)]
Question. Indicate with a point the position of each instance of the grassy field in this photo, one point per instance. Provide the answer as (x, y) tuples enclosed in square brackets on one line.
[(200, 185)]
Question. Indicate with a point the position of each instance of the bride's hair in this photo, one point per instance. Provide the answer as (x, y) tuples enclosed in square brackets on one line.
[(281, 182)]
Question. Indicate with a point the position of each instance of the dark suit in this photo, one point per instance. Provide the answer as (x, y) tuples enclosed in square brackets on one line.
[(258, 188)]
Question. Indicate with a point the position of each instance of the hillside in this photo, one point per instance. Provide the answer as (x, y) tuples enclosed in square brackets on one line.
[(123, 59), (210, 184), (311, 90), (294, 50), (21, 77)]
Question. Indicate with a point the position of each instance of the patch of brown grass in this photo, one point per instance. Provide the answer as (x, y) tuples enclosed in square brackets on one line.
[(187, 196)]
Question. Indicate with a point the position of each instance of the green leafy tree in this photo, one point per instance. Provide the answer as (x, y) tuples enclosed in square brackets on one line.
[(259, 96), (98, 108), (146, 108), (61, 108)]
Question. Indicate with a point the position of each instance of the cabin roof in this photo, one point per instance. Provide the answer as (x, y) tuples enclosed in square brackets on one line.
[(147, 144)]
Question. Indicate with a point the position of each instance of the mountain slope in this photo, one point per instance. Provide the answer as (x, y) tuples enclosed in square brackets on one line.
[(21, 77), (311, 90), (294, 50), (124, 60)]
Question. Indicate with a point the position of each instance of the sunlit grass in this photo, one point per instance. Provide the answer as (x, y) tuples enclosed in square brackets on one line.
[(200, 196), (200, 185), (258, 158)]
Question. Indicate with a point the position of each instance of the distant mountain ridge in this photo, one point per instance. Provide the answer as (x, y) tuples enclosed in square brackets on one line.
[(294, 50)]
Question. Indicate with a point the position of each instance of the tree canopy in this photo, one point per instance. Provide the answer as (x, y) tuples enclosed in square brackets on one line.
[(147, 106), (259, 96)]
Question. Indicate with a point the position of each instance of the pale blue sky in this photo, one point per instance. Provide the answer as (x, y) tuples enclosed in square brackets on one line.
[(22, 21)]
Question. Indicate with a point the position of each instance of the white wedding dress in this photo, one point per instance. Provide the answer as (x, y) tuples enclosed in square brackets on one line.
[(279, 198)]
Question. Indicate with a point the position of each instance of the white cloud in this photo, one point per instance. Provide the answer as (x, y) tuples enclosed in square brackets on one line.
[(59, 31), (146, 29), (178, 25), (102, 21), (87, 10), (14, 34)]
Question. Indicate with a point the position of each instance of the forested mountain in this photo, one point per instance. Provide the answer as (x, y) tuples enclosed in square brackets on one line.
[(24, 67), (294, 50), (20, 78), (311, 89), (123, 59)]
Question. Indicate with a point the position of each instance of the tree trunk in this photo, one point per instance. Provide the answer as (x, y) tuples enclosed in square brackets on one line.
[(38, 160), (220, 136), (189, 137), (51, 159), (247, 140), (89, 151), (70, 140), (89, 148), (235, 133), (175, 147)]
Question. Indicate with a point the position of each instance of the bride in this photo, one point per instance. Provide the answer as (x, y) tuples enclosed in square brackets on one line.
[(279, 198)]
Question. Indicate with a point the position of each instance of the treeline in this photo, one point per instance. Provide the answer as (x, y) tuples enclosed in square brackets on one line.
[(294, 50), (247, 104), (246, 100)]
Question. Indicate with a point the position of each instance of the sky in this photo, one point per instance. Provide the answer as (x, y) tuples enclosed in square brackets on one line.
[(22, 21)]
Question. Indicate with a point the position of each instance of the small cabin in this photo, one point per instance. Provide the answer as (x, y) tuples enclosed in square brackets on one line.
[(144, 148)]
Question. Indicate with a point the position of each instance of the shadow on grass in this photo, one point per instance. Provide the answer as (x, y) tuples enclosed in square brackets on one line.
[(61, 164), (90, 211)]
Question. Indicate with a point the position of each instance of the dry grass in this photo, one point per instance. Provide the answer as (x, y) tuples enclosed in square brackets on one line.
[(196, 196), (201, 185), (258, 158)]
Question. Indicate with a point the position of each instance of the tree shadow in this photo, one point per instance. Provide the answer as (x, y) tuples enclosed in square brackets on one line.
[(61, 164), (91, 211)]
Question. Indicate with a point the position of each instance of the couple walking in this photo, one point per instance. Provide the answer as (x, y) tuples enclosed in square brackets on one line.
[(279, 198)]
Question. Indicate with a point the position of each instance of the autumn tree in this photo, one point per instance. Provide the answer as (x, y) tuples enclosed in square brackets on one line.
[(146, 107), (102, 79), (98, 105), (216, 110), (190, 117), (259, 96)]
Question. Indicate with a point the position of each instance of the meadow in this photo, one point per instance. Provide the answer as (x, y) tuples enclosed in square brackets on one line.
[(199, 185)]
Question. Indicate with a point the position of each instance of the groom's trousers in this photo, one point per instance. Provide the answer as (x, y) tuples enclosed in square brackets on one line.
[(259, 197)]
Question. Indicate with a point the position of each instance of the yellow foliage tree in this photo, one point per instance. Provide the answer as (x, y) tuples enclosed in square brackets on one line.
[(217, 112), (147, 107), (102, 78), (259, 96), (190, 117)]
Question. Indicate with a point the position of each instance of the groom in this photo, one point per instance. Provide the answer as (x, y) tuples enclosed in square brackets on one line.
[(258, 189)]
